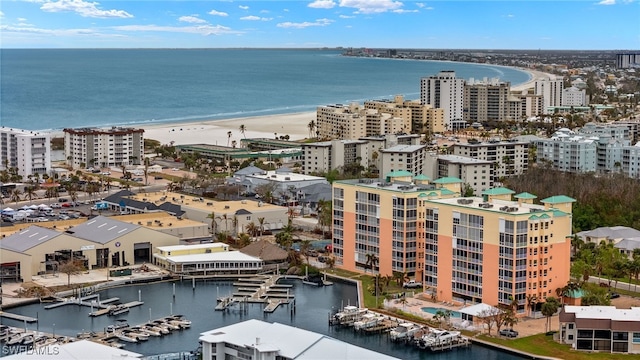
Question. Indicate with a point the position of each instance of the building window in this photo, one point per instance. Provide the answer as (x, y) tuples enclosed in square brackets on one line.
[(636, 337)]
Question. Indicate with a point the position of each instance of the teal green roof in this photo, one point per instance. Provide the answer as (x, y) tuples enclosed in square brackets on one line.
[(498, 191), (558, 199), (525, 195), (399, 173), (433, 193), (545, 216), (533, 217), (422, 195), (422, 177), (448, 180), (558, 213), (446, 192)]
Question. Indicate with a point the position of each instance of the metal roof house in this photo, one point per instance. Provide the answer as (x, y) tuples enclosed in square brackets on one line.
[(256, 339)]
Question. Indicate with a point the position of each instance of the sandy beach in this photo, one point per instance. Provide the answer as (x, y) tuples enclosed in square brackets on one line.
[(215, 132)]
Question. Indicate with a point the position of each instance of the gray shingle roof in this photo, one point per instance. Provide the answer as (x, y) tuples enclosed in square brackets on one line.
[(102, 229), (28, 238)]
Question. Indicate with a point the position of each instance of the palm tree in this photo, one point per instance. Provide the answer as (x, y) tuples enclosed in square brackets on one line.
[(30, 193), (311, 126), (261, 222), (242, 130), (372, 261), (214, 225), (305, 247), (15, 195), (228, 137), (252, 229), (531, 302)]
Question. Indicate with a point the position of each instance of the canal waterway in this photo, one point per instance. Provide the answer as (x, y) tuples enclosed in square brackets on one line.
[(313, 305)]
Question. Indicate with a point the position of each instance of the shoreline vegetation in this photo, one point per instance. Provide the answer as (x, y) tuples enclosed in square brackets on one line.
[(215, 131)]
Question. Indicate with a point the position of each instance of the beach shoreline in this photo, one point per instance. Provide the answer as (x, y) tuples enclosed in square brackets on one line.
[(226, 132)]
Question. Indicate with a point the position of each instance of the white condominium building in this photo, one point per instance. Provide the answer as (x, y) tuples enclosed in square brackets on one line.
[(486, 100), (445, 91), (566, 151), (409, 158), (509, 157), (478, 174), (573, 96), (322, 157), (116, 146), (25, 150), (551, 91)]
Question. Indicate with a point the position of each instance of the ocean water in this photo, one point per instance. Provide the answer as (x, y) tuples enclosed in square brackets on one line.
[(56, 89)]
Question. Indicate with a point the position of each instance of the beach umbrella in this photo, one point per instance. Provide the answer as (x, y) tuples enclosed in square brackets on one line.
[(42, 206), (33, 207), (25, 207), (8, 209)]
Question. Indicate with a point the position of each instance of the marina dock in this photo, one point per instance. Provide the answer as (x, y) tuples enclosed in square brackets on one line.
[(18, 317), (258, 289)]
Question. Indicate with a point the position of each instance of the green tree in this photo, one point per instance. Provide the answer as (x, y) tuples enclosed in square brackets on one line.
[(372, 261), (549, 307)]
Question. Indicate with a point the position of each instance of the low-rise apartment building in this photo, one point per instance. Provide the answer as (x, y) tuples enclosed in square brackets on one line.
[(322, 157), (487, 249), (409, 158), (114, 146), (354, 121), (601, 328), (509, 157), (423, 117), (477, 174), (27, 151)]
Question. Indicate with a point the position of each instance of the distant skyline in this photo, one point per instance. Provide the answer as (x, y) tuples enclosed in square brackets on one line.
[(452, 24)]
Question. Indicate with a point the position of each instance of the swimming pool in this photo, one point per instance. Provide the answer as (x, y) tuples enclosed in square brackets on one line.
[(433, 310)]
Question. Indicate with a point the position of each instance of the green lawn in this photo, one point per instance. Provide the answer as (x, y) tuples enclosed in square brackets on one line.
[(544, 345)]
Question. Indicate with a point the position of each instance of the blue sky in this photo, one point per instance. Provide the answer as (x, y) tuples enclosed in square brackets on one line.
[(515, 24)]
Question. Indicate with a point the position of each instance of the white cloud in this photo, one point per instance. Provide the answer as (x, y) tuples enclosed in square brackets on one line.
[(371, 6), (403, 11), (511, 16), (1, 14), (193, 19), (306, 24), (22, 19), (607, 2), (217, 13), (420, 5), (84, 9), (255, 18), (201, 29), (243, 7), (55, 32), (346, 16), (322, 4)]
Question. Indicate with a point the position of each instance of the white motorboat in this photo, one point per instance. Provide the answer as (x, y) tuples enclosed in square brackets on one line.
[(368, 320), (18, 338), (147, 330), (349, 314), (437, 337), (404, 331), (138, 335), (158, 328), (126, 338)]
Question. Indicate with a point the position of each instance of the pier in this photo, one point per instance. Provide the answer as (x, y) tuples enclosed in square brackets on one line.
[(258, 289), (107, 309)]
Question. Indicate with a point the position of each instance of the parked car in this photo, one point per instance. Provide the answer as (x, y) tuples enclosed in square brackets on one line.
[(55, 206), (106, 173), (412, 284), (62, 200), (614, 295), (509, 333), (67, 205)]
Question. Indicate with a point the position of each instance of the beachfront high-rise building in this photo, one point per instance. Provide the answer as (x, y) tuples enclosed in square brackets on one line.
[(423, 117), (486, 100), (551, 91), (353, 121), (487, 249), (27, 151), (445, 91), (114, 146)]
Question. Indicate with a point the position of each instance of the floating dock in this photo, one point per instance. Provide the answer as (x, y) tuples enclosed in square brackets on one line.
[(258, 289), (18, 317)]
